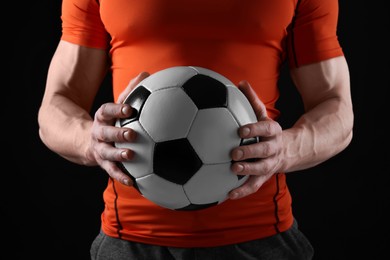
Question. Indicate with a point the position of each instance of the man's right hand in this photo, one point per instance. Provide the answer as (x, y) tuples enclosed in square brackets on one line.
[(104, 134)]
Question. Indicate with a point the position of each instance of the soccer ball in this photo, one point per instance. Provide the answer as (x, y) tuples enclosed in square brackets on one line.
[(186, 119)]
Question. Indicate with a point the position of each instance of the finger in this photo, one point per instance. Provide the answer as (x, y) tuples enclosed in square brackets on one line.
[(256, 167), (107, 152), (263, 128), (109, 112), (261, 149), (116, 173), (132, 84), (257, 104), (252, 185), (111, 134)]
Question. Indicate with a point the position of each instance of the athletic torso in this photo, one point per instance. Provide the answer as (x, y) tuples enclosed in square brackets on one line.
[(240, 39)]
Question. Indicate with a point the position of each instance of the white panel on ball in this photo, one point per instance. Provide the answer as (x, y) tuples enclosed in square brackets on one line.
[(165, 120), (240, 107), (143, 148), (172, 77), (162, 192), (214, 134)]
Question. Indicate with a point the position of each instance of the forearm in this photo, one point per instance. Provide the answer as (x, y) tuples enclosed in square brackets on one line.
[(74, 77), (65, 129), (318, 135)]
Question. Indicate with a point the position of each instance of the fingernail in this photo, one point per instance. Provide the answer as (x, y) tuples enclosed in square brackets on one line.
[(239, 154), (127, 135), (239, 168), (125, 110), (234, 195), (245, 131), (127, 182), (143, 74), (124, 155)]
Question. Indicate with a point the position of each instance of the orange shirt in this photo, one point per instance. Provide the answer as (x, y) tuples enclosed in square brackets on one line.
[(239, 39)]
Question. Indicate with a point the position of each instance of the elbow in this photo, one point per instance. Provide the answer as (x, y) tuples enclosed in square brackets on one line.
[(42, 136), (44, 128), (348, 131), (41, 130), (348, 139)]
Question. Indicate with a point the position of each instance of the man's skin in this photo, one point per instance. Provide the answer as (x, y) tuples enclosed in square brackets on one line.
[(67, 128)]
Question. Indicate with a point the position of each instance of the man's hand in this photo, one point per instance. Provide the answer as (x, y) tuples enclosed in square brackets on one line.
[(104, 134), (266, 152)]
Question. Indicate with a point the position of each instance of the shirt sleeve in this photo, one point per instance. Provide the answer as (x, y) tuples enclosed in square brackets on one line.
[(313, 32), (81, 24)]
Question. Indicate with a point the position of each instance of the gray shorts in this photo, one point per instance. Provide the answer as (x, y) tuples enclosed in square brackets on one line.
[(289, 245)]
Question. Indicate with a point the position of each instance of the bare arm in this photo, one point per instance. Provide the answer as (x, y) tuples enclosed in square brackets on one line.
[(324, 130), (65, 124), (326, 127), (74, 77)]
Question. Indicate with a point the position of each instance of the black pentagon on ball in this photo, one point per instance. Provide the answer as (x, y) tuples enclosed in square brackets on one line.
[(249, 141), (175, 160), (206, 92), (136, 100)]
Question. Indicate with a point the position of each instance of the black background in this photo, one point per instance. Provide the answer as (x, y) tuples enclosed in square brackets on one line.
[(51, 208)]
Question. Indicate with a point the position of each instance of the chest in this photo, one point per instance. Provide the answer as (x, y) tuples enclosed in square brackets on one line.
[(167, 19)]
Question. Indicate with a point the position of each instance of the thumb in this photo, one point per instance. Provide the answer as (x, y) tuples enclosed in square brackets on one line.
[(257, 105), (132, 84)]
